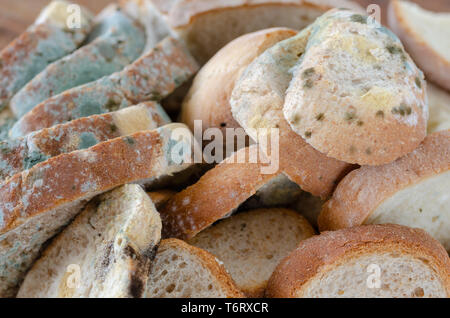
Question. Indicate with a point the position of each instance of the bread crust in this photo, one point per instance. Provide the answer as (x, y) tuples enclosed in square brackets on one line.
[(209, 261), (152, 77), (41, 44), (218, 193), (363, 190), (23, 153), (38, 202), (321, 252), (209, 95), (436, 68)]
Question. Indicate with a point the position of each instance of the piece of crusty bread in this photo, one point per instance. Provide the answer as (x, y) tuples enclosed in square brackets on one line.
[(412, 191), (355, 94), (251, 244), (184, 271), (426, 36), (439, 107), (366, 261), (216, 195), (115, 42), (47, 40), (208, 97), (38, 202), (152, 77), (208, 25), (257, 101), (25, 152), (110, 246)]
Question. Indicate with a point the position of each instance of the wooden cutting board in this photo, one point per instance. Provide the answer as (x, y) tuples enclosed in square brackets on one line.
[(17, 15)]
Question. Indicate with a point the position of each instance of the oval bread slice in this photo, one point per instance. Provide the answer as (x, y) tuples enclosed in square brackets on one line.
[(184, 271), (355, 94), (426, 36), (208, 97), (208, 25), (105, 252), (251, 244), (367, 261), (412, 191)]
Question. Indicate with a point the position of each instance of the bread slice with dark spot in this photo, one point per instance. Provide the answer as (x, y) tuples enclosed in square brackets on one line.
[(105, 252)]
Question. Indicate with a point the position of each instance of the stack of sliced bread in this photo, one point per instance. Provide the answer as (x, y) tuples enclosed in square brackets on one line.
[(339, 186)]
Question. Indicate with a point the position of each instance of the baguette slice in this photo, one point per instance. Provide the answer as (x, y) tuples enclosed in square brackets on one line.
[(355, 94), (251, 244), (426, 36), (367, 261), (47, 40), (184, 271), (439, 106), (216, 195), (412, 191), (110, 246), (36, 203), (152, 77), (208, 25), (25, 152), (118, 42)]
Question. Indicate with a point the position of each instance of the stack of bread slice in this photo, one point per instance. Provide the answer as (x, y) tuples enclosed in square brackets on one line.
[(102, 193)]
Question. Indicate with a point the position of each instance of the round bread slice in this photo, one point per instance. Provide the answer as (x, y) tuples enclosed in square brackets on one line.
[(412, 191), (208, 97), (367, 261), (257, 102), (439, 107), (355, 94), (104, 253), (426, 36), (184, 271), (251, 244), (208, 25)]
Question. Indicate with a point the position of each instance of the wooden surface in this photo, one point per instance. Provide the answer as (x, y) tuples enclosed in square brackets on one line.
[(17, 15)]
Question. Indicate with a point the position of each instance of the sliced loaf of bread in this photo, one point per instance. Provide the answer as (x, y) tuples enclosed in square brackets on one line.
[(412, 191), (38, 202), (367, 261), (152, 77), (184, 271), (25, 152), (118, 42), (426, 36), (251, 244), (106, 252)]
